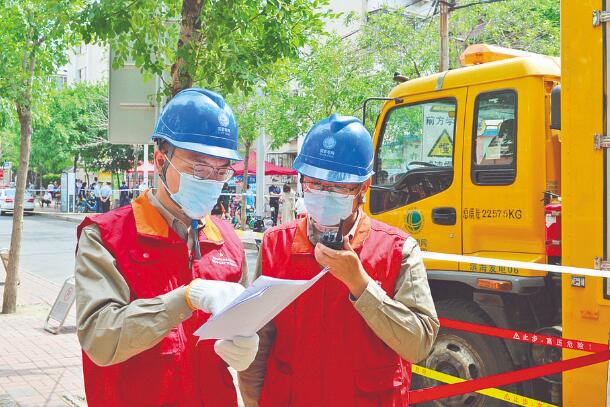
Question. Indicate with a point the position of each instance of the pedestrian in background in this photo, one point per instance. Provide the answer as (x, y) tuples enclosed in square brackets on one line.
[(106, 196), (51, 190), (96, 187), (225, 200), (46, 199), (123, 194), (250, 202), (287, 201), (149, 274), (299, 207), (79, 187), (274, 201)]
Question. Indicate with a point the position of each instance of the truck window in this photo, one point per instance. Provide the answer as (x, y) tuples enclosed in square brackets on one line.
[(494, 143), (414, 157)]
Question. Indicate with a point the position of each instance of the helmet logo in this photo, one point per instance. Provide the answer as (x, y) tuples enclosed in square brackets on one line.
[(223, 119), (329, 143)]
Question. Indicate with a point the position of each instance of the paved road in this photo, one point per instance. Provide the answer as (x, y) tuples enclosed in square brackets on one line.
[(48, 246)]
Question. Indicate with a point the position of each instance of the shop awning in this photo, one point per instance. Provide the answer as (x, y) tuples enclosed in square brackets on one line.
[(270, 169)]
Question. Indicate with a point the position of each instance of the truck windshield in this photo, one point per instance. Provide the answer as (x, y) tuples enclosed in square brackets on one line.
[(416, 136)]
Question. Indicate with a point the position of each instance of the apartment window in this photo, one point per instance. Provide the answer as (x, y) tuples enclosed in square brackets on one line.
[(61, 81), (81, 75)]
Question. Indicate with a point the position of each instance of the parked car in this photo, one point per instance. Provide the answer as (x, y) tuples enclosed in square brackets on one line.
[(7, 201)]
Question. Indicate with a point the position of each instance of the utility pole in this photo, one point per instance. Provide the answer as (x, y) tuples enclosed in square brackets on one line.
[(260, 165), (445, 9)]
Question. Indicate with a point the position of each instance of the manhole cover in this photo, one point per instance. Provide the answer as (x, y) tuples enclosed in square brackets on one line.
[(7, 401), (72, 400)]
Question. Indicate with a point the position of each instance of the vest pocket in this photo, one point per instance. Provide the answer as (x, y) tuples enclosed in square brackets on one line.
[(174, 342), (161, 369), (277, 389), (381, 386)]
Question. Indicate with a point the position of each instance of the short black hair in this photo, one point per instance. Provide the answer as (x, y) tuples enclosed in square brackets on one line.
[(162, 145)]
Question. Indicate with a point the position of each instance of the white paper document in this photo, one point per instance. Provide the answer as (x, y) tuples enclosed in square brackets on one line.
[(255, 307)]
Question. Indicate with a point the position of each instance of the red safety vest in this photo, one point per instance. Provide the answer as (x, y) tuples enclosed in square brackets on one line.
[(153, 259), (324, 353)]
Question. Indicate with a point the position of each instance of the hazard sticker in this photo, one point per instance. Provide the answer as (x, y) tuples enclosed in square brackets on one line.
[(443, 147)]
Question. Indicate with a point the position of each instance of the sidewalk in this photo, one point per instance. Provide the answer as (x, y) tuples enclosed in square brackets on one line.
[(38, 368)]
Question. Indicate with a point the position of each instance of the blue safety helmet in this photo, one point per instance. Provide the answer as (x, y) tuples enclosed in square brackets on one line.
[(337, 149), (199, 120)]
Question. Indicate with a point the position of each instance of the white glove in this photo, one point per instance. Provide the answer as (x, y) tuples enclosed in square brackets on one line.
[(238, 353), (212, 296)]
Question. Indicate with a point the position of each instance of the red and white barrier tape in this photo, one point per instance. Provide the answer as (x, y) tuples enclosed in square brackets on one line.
[(602, 354), (526, 337)]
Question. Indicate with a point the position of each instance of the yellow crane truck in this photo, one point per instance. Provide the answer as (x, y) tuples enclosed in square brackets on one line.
[(507, 158)]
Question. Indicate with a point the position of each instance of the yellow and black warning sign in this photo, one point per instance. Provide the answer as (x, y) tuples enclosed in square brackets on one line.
[(443, 147)]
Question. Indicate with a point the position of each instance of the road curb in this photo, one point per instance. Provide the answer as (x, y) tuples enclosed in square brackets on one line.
[(60, 216), (249, 239)]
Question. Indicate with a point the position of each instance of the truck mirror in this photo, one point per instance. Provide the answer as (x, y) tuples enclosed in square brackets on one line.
[(367, 100), (556, 108)]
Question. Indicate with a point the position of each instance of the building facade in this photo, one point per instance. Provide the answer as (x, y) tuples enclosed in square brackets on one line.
[(86, 63)]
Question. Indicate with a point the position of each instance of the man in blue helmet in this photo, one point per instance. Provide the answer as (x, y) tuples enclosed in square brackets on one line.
[(351, 338), (149, 274)]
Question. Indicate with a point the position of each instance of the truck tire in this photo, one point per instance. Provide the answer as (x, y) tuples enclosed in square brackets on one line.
[(465, 355)]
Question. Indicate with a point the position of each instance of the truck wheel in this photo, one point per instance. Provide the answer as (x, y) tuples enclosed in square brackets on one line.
[(466, 355)]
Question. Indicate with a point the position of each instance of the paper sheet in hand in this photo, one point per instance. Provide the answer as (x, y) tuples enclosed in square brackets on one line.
[(255, 307)]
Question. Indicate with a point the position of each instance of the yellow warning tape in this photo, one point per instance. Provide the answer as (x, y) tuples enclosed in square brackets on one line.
[(492, 392)]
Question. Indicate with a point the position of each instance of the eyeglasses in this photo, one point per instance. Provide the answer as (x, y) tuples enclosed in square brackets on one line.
[(340, 189), (205, 171)]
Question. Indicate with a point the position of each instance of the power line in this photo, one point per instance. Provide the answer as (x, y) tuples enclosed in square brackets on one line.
[(476, 3)]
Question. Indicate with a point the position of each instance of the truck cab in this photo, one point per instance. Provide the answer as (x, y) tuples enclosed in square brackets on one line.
[(463, 162)]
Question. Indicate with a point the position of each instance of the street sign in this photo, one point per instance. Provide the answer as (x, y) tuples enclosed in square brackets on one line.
[(61, 306), (133, 107)]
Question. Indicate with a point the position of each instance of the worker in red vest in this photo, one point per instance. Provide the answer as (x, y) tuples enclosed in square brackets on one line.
[(351, 338), (151, 273)]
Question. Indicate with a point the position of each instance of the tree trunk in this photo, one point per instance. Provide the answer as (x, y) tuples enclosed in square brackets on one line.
[(190, 37), (9, 303), (75, 163), (244, 187)]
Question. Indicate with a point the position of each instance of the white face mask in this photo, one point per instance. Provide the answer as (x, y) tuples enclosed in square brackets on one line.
[(196, 197), (328, 208)]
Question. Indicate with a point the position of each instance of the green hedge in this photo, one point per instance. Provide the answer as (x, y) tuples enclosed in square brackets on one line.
[(48, 178)]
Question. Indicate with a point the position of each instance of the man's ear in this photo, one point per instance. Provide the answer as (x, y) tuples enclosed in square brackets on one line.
[(365, 186), (159, 160)]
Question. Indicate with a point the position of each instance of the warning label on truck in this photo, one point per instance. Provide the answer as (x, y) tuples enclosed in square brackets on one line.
[(443, 146), (437, 146)]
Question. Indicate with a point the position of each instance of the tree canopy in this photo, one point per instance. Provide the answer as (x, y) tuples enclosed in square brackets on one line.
[(222, 45), (336, 75)]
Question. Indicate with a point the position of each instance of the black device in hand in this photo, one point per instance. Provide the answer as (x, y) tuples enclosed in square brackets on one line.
[(332, 239)]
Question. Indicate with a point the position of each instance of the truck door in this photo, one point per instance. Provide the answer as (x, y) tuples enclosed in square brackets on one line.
[(418, 175), (504, 173)]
